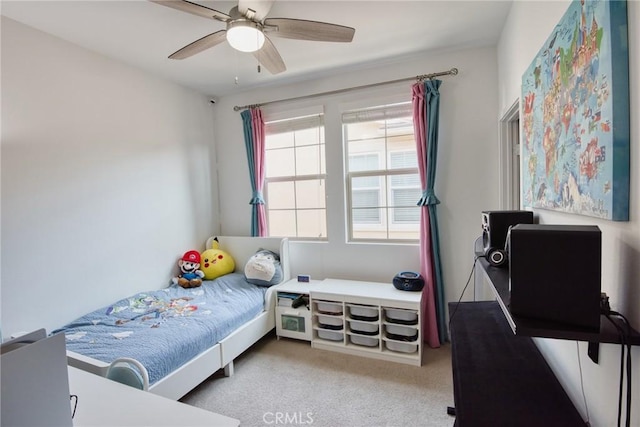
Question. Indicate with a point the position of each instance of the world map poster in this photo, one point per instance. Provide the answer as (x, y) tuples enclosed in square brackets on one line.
[(575, 115)]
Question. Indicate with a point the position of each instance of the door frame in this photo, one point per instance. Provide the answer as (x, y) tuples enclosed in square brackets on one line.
[(509, 158)]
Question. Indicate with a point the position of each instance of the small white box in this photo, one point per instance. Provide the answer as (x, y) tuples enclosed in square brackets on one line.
[(402, 316), (366, 327), (369, 312), (402, 347), (364, 340), (328, 334), (329, 307), (405, 331), (329, 320)]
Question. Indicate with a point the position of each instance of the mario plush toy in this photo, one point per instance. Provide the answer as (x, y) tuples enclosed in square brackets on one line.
[(190, 276)]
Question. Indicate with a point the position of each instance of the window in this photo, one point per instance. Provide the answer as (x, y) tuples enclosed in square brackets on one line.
[(383, 182), (405, 189), (295, 178), (366, 189)]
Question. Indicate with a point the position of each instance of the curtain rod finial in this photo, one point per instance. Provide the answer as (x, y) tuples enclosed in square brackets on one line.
[(454, 71)]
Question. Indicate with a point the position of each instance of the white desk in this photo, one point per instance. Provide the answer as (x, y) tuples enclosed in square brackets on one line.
[(102, 402)]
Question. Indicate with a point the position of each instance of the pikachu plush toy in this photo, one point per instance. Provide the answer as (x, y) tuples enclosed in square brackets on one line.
[(215, 262)]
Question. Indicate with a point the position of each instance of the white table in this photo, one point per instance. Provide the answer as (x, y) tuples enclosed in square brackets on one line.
[(102, 402)]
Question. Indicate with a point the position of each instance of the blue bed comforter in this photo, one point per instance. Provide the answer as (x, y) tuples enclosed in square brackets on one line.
[(164, 329)]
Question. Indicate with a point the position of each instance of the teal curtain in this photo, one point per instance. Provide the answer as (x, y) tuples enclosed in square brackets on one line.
[(432, 101), (426, 105), (253, 127)]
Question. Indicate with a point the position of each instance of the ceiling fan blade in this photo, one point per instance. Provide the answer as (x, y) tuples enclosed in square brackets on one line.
[(260, 8), (269, 57), (193, 8), (199, 45), (301, 29)]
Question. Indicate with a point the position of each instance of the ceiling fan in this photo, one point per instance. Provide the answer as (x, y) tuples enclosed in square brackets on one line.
[(247, 29)]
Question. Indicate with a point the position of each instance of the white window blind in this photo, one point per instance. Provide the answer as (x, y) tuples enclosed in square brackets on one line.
[(388, 112), (292, 125)]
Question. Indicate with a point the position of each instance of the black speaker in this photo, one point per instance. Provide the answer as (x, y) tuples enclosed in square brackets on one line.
[(555, 273), (495, 225), (496, 257)]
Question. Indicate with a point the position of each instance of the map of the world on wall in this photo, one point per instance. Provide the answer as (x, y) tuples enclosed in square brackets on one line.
[(575, 115)]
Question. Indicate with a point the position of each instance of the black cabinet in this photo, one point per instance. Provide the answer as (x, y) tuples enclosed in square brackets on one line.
[(499, 378)]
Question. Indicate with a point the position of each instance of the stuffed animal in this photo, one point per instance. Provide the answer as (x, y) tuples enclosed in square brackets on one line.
[(216, 262), (190, 275), (263, 268)]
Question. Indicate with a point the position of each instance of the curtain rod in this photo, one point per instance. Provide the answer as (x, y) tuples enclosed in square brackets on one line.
[(451, 72)]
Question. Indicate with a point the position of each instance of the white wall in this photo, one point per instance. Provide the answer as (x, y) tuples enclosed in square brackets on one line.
[(528, 26), (106, 179), (464, 183), (106, 174)]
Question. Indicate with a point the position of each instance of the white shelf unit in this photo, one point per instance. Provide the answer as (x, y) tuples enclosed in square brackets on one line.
[(363, 314), (293, 322)]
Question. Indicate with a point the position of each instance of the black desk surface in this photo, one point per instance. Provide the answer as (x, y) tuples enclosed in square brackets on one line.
[(540, 328), (501, 379)]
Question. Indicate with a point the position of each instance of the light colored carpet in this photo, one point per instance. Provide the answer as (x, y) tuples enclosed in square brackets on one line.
[(286, 382)]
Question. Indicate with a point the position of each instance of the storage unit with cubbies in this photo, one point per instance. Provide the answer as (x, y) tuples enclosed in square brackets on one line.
[(356, 317), (368, 319)]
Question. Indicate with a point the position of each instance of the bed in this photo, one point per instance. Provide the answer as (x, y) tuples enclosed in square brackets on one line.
[(181, 336)]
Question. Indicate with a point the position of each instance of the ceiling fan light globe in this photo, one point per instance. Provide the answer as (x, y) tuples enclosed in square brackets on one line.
[(245, 36)]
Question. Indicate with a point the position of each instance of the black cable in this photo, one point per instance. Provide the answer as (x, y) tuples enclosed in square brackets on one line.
[(584, 397), (623, 338), (622, 316), (473, 268), (627, 338), (621, 334), (628, 424)]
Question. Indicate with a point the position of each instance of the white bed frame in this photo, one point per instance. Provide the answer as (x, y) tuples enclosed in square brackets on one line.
[(188, 376)]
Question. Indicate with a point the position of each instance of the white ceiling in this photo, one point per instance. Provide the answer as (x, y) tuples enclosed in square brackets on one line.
[(143, 34)]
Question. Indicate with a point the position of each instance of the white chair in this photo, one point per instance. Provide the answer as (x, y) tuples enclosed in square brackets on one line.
[(130, 372)]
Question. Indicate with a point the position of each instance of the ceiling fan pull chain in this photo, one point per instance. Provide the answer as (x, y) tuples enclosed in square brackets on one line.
[(257, 56)]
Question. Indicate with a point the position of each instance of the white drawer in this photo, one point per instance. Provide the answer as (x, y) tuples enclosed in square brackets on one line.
[(293, 323)]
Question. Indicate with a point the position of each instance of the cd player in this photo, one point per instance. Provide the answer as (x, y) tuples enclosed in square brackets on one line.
[(408, 281)]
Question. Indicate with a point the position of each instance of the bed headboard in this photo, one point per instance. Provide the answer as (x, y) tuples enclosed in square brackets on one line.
[(241, 248)]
